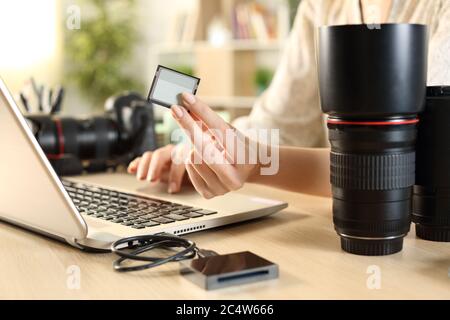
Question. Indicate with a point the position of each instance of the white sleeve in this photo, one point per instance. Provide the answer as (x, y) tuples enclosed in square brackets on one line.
[(291, 103)]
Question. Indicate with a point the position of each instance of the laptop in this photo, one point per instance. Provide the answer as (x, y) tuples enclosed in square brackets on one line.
[(91, 212)]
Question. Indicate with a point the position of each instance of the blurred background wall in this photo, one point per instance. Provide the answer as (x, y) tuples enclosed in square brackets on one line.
[(31, 41), (97, 48)]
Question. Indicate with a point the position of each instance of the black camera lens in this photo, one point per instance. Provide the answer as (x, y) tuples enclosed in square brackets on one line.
[(95, 138), (372, 86), (431, 199)]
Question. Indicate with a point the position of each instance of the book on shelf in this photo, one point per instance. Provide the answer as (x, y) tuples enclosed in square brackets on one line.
[(183, 26), (254, 20), (246, 20)]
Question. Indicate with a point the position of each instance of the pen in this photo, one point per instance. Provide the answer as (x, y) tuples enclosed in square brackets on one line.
[(50, 101), (24, 102), (38, 92), (30, 97), (58, 101), (47, 95)]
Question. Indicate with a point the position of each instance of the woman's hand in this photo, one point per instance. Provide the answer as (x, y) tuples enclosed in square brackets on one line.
[(218, 160), (164, 164), (212, 163)]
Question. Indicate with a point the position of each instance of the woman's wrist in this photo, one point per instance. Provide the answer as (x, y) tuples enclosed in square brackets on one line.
[(255, 174)]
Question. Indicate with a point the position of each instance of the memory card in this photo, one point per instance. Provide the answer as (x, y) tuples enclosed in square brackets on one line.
[(169, 84)]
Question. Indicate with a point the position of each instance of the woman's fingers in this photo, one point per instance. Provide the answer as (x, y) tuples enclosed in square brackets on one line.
[(206, 148), (176, 175), (202, 142), (161, 158), (179, 155), (132, 167), (209, 176), (144, 163), (225, 136), (202, 111), (166, 164), (198, 182)]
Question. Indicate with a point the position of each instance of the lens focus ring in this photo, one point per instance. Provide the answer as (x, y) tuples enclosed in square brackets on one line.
[(372, 172), (374, 227)]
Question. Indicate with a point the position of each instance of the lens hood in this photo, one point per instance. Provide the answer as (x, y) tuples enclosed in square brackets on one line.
[(372, 73)]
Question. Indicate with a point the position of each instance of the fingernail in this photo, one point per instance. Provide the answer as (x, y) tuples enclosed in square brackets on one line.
[(150, 177), (177, 111), (172, 187), (189, 97)]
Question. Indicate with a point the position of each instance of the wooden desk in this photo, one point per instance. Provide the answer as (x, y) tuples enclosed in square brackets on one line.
[(301, 239)]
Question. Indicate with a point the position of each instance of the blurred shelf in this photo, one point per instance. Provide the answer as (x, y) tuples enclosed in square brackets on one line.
[(234, 45), (259, 32), (230, 102)]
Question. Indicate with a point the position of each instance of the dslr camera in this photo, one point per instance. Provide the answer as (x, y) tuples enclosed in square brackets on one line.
[(99, 143)]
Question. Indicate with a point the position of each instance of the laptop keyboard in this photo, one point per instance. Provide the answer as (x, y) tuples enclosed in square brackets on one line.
[(127, 209)]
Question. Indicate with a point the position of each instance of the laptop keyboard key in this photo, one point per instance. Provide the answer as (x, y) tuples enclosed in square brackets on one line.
[(66, 183), (71, 190), (136, 214), (192, 215), (148, 217), (184, 207), (180, 212), (206, 212), (151, 224), (176, 217), (162, 220), (150, 209)]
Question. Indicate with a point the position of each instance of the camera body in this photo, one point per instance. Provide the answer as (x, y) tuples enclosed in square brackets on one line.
[(98, 143)]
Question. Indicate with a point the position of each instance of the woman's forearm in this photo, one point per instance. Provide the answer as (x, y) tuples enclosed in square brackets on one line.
[(303, 170)]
